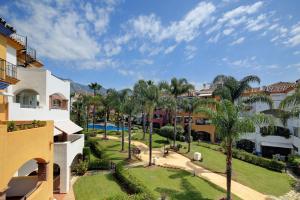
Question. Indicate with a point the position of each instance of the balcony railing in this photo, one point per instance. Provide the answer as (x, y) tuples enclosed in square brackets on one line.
[(23, 41), (7, 70)]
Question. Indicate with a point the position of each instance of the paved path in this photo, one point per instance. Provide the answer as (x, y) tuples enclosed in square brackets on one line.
[(176, 160)]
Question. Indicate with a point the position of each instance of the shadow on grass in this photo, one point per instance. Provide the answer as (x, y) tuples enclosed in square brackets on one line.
[(188, 191)]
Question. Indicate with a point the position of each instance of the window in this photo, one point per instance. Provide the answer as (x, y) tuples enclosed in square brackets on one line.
[(186, 119), (27, 99), (296, 131), (202, 121), (56, 103), (178, 119)]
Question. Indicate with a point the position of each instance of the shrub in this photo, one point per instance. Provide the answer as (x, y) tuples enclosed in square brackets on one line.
[(99, 164), (86, 154), (94, 148), (80, 168), (11, 126), (132, 184), (168, 132)]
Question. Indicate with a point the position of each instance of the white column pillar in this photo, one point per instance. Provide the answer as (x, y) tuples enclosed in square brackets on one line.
[(65, 173)]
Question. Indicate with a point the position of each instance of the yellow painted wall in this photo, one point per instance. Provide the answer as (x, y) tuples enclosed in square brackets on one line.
[(3, 106), (18, 147), (205, 128), (2, 47)]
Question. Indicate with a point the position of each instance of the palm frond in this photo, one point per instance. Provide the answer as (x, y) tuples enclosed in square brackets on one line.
[(262, 98)]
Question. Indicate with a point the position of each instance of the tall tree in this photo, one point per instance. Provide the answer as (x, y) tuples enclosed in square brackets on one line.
[(139, 92), (78, 111), (152, 95), (227, 87), (189, 106), (226, 116), (129, 108), (290, 106), (108, 102), (176, 88), (95, 87), (122, 96)]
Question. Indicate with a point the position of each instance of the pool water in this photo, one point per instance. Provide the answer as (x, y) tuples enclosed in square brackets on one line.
[(108, 127)]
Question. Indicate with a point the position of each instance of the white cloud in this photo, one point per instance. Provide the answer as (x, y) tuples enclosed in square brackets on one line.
[(258, 23), (185, 29), (294, 38), (296, 53), (143, 62), (238, 41), (190, 52), (60, 33), (228, 31), (170, 49)]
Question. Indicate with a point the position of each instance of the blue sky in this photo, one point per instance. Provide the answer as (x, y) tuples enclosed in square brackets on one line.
[(117, 42)]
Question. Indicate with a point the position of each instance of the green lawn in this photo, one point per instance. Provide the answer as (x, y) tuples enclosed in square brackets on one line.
[(97, 187), (177, 184), (157, 140), (258, 178), (112, 150)]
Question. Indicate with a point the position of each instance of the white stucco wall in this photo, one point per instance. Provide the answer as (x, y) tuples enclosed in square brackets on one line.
[(291, 124), (64, 154), (45, 84), (11, 55)]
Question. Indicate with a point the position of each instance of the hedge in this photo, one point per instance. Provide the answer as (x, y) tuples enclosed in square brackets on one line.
[(250, 158), (132, 184), (93, 144), (260, 161), (99, 164)]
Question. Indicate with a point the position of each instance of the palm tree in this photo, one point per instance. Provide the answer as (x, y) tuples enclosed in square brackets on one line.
[(129, 108), (189, 106), (227, 87), (152, 97), (226, 116), (176, 88), (95, 87), (87, 101), (139, 93), (290, 106), (77, 111), (108, 102), (122, 96)]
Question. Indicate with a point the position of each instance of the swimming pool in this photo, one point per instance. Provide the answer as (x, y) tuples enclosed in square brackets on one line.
[(109, 127)]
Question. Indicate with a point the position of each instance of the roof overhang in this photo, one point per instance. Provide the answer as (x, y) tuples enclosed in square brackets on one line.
[(277, 144), (66, 126)]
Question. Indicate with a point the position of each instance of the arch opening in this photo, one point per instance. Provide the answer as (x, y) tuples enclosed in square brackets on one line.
[(26, 179)]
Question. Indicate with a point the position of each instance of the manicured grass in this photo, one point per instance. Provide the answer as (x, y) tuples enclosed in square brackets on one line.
[(157, 140), (258, 178), (111, 150), (177, 184), (97, 187)]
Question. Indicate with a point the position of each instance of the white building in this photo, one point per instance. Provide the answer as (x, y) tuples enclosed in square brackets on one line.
[(41, 96), (275, 144)]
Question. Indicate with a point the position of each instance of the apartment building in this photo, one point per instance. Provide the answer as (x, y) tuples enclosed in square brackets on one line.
[(30, 93), (284, 139)]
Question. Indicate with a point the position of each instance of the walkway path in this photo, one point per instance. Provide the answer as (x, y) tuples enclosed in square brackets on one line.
[(176, 160)]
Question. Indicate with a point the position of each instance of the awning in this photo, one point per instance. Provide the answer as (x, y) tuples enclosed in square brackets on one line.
[(67, 126), (277, 144), (57, 132)]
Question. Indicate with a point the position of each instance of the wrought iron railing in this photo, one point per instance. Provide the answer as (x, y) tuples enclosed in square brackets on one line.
[(23, 40), (7, 69)]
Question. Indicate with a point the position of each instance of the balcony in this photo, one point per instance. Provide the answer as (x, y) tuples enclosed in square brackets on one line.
[(26, 54), (8, 72)]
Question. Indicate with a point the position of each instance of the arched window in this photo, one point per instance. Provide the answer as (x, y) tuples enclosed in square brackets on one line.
[(56, 103), (27, 98)]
